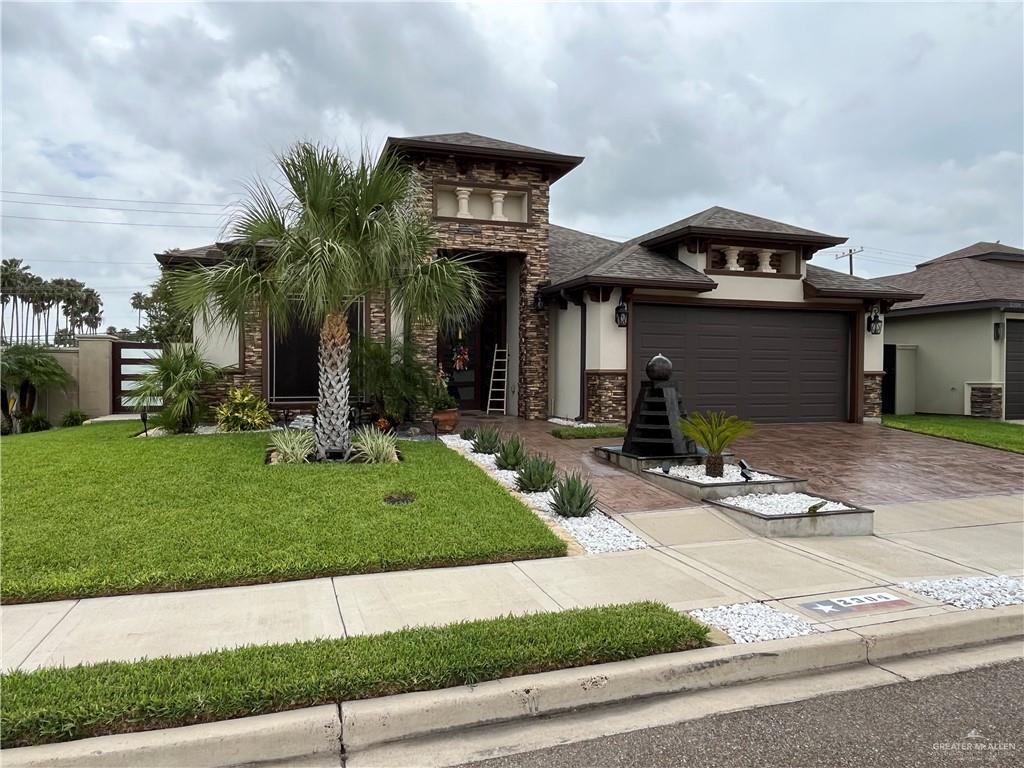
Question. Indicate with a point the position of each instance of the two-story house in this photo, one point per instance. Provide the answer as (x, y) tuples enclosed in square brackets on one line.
[(729, 297)]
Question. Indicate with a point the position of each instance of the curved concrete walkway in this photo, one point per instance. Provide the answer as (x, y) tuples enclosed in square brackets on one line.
[(697, 558)]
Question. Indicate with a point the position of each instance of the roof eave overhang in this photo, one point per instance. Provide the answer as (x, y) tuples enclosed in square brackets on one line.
[(587, 281), (1012, 305), (820, 241), (814, 292), (560, 164)]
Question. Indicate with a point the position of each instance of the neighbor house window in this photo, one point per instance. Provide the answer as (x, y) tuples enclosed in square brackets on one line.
[(294, 359)]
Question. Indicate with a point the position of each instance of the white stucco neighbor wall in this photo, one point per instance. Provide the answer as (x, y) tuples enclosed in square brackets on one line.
[(218, 341), (564, 367), (874, 349), (953, 348)]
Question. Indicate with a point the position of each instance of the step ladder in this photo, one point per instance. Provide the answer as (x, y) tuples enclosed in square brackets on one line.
[(499, 373)]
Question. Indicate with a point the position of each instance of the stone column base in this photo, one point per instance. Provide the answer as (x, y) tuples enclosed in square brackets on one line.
[(873, 395), (606, 396), (987, 401)]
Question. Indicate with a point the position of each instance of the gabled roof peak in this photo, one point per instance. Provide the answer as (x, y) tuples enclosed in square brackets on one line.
[(977, 250), (720, 220)]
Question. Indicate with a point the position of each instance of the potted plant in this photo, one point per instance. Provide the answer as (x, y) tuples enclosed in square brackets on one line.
[(443, 403), (714, 431)]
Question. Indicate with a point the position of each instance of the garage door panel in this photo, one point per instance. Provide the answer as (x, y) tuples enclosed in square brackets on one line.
[(764, 365), (1013, 391)]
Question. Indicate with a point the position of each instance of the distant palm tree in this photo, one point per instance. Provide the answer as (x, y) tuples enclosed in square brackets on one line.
[(139, 301), (343, 229)]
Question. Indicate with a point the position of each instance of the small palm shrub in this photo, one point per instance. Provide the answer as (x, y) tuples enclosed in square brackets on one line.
[(714, 431), (372, 446), (535, 474), (572, 496), (293, 446), (511, 454), (176, 377), (35, 423), (243, 411), (487, 440), (73, 418), (468, 434)]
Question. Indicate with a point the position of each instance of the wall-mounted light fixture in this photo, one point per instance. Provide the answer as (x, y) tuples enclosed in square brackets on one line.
[(875, 321), (997, 331), (621, 314), (538, 302)]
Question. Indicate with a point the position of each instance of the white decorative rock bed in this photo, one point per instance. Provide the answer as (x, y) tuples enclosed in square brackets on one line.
[(972, 591), (693, 482), (754, 622), (595, 533), (776, 515)]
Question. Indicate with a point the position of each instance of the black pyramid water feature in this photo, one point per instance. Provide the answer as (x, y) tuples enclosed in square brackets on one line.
[(653, 436)]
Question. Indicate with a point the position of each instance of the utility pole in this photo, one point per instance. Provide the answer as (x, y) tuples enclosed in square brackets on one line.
[(849, 255)]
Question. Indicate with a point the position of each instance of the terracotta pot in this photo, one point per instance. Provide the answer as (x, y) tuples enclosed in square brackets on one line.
[(446, 421)]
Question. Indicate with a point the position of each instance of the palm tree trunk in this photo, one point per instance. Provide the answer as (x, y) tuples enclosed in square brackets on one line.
[(332, 428)]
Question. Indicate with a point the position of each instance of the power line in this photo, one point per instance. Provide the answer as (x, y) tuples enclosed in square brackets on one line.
[(110, 199), (108, 208), (118, 223), (90, 261)]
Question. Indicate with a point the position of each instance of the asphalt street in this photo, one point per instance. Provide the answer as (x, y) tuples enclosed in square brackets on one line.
[(973, 718)]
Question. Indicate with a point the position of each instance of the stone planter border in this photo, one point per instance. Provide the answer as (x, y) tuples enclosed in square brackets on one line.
[(858, 521), (710, 492)]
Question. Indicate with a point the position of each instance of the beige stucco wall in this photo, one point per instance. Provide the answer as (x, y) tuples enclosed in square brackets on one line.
[(606, 342), (94, 375), (564, 367), (953, 348), (54, 403), (874, 349), (218, 341)]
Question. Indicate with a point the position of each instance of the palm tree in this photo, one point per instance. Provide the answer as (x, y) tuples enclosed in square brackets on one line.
[(14, 277), (340, 230), (139, 300)]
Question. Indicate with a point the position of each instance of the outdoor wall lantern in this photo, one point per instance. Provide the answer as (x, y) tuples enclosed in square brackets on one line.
[(538, 302), (997, 331), (621, 314), (875, 321)]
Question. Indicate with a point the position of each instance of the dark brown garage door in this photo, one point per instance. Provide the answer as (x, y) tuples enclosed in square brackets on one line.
[(762, 364), (1015, 369)]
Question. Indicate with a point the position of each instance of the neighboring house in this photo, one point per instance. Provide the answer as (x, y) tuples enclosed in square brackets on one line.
[(750, 326), (964, 338)]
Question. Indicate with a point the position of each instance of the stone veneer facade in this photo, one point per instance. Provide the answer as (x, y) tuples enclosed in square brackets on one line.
[(873, 395), (606, 396), (987, 401), (527, 239)]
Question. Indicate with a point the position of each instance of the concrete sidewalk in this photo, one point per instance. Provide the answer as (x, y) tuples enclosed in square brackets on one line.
[(698, 558)]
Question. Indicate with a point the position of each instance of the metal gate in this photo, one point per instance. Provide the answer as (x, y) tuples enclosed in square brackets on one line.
[(129, 361)]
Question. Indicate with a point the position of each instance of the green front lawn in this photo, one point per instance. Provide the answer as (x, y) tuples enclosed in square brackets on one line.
[(93, 511), (77, 702), (966, 429), (578, 433)]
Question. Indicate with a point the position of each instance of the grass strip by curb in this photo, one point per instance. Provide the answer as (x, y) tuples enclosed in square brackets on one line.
[(63, 704), (92, 511), (579, 433), (964, 429)]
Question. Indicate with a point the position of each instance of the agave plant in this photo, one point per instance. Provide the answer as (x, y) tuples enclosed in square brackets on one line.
[(487, 440), (535, 474), (511, 454), (572, 496), (293, 446), (714, 431), (468, 434), (372, 446)]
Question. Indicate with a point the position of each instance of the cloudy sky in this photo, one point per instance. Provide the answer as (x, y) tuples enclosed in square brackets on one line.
[(899, 126)]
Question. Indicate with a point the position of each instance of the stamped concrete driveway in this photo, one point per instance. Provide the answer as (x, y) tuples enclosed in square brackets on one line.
[(871, 464)]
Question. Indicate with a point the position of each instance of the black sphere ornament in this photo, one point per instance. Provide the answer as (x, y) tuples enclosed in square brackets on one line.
[(659, 368)]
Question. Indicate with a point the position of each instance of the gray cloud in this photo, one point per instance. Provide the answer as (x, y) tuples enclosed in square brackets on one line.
[(898, 125)]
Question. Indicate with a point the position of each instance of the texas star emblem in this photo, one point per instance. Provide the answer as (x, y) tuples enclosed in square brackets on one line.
[(857, 603)]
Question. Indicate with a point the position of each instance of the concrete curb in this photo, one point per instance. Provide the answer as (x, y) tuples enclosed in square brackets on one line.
[(316, 736)]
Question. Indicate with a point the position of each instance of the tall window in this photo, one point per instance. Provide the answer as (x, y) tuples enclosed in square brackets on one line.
[(294, 356)]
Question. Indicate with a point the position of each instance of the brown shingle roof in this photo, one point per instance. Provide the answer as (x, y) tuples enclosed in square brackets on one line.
[(580, 259), (830, 283), (724, 220), (483, 146), (974, 251), (961, 281)]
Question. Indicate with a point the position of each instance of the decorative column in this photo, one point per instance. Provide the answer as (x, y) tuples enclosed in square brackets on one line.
[(732, 256), (764, 260), (498, 205), (462, 195)]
